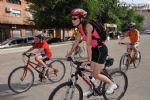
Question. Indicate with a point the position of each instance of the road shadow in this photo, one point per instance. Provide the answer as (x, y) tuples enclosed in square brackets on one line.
[(39, 83), (4, 89), (7, 94)]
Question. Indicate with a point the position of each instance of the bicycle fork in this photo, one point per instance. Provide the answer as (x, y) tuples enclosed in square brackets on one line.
[(24, 74), (72, 83)]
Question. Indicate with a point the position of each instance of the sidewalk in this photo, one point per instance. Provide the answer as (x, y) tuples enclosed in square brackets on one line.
[(21, 49)]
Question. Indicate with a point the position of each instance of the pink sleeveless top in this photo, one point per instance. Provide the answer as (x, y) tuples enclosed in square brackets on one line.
[(95, 34)]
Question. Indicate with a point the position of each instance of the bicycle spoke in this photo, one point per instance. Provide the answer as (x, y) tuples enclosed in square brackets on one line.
[(124, 63), (120, 79), (137, 60), (56, 71), (65, 92)]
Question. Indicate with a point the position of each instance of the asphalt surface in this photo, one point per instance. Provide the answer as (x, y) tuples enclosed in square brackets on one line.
[(139, 78)]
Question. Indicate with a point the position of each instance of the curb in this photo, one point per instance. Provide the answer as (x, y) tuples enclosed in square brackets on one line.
[(20, 49)]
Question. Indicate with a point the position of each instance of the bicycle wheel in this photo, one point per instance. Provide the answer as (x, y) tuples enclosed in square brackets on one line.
[(20, 79), (119, 78), (124, 63), (57, 71), (66, 91), (137, 60), (81, 52)]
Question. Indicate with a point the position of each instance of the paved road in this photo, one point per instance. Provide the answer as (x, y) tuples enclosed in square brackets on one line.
[(139, 79)]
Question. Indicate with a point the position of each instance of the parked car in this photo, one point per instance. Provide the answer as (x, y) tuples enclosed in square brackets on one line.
[(53, 40), (146, 32), (17, 42), (30, 40), (69, 38)]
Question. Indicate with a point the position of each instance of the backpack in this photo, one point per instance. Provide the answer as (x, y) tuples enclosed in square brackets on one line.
[(100, 30)]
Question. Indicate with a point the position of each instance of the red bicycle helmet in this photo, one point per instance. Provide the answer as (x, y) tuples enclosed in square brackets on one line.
[(79, 12)]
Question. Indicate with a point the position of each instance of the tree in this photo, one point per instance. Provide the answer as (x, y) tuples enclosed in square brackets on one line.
[(56, 13), (53, 13)]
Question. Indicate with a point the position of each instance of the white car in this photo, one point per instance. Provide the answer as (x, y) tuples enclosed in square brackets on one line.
[(17, 42), (147, 32), (8, 43)]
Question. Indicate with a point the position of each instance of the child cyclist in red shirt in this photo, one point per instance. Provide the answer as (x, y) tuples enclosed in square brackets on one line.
[(42, 47)]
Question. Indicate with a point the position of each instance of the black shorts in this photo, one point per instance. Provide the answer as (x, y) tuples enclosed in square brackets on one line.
[(45, 58), (99, 54)]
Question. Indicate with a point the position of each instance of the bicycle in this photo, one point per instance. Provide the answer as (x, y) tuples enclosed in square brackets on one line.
[(126, 59), (22, 78), (72, 88)]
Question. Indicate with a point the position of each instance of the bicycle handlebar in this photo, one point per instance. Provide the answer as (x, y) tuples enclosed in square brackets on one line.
[(75, 62), (29, 55)]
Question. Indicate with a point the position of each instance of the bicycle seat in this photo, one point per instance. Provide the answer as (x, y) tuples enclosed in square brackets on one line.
[(109, 62)]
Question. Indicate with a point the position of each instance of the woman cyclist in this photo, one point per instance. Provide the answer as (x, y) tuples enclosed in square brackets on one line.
[(96, 52)]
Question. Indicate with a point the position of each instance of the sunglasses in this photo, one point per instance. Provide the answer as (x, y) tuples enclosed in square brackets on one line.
[(131, 27), (75, 18)]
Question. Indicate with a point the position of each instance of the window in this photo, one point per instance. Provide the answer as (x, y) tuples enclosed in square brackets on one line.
[(28, 33), (16, 33), (16, 13), (14, 1)]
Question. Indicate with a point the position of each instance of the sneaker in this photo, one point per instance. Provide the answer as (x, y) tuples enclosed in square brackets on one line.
[(87, 93), (45, 69), (111, 89)]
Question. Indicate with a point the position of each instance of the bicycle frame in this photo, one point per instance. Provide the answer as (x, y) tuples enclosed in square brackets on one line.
[(129, 50), (30, 64), (80, 71)]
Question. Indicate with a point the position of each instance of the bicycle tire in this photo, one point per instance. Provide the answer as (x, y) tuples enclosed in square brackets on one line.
[(124, 63), (68, 84), (20, 88), (137, 58), (61, 68), (81, 52), (124, 87)]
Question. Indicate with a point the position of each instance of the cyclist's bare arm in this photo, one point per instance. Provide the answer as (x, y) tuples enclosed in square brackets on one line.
[(30, 49), (125, 35), (75, 44), (138, 33), (89, 29), (38, 51)]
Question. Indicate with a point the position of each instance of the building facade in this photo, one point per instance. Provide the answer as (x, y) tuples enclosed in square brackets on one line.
[(144, 10), (15, 19)]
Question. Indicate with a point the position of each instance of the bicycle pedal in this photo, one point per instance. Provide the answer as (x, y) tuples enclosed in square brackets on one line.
[(97, 92), (55, 71)]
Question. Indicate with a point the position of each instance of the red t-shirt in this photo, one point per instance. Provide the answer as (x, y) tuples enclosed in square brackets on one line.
[(45, 47)]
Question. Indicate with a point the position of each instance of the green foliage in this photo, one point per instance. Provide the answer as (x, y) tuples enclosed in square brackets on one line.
[(56, 13), (53, 13)]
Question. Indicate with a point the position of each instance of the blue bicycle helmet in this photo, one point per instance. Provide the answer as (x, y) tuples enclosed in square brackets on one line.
[(39, 35)]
